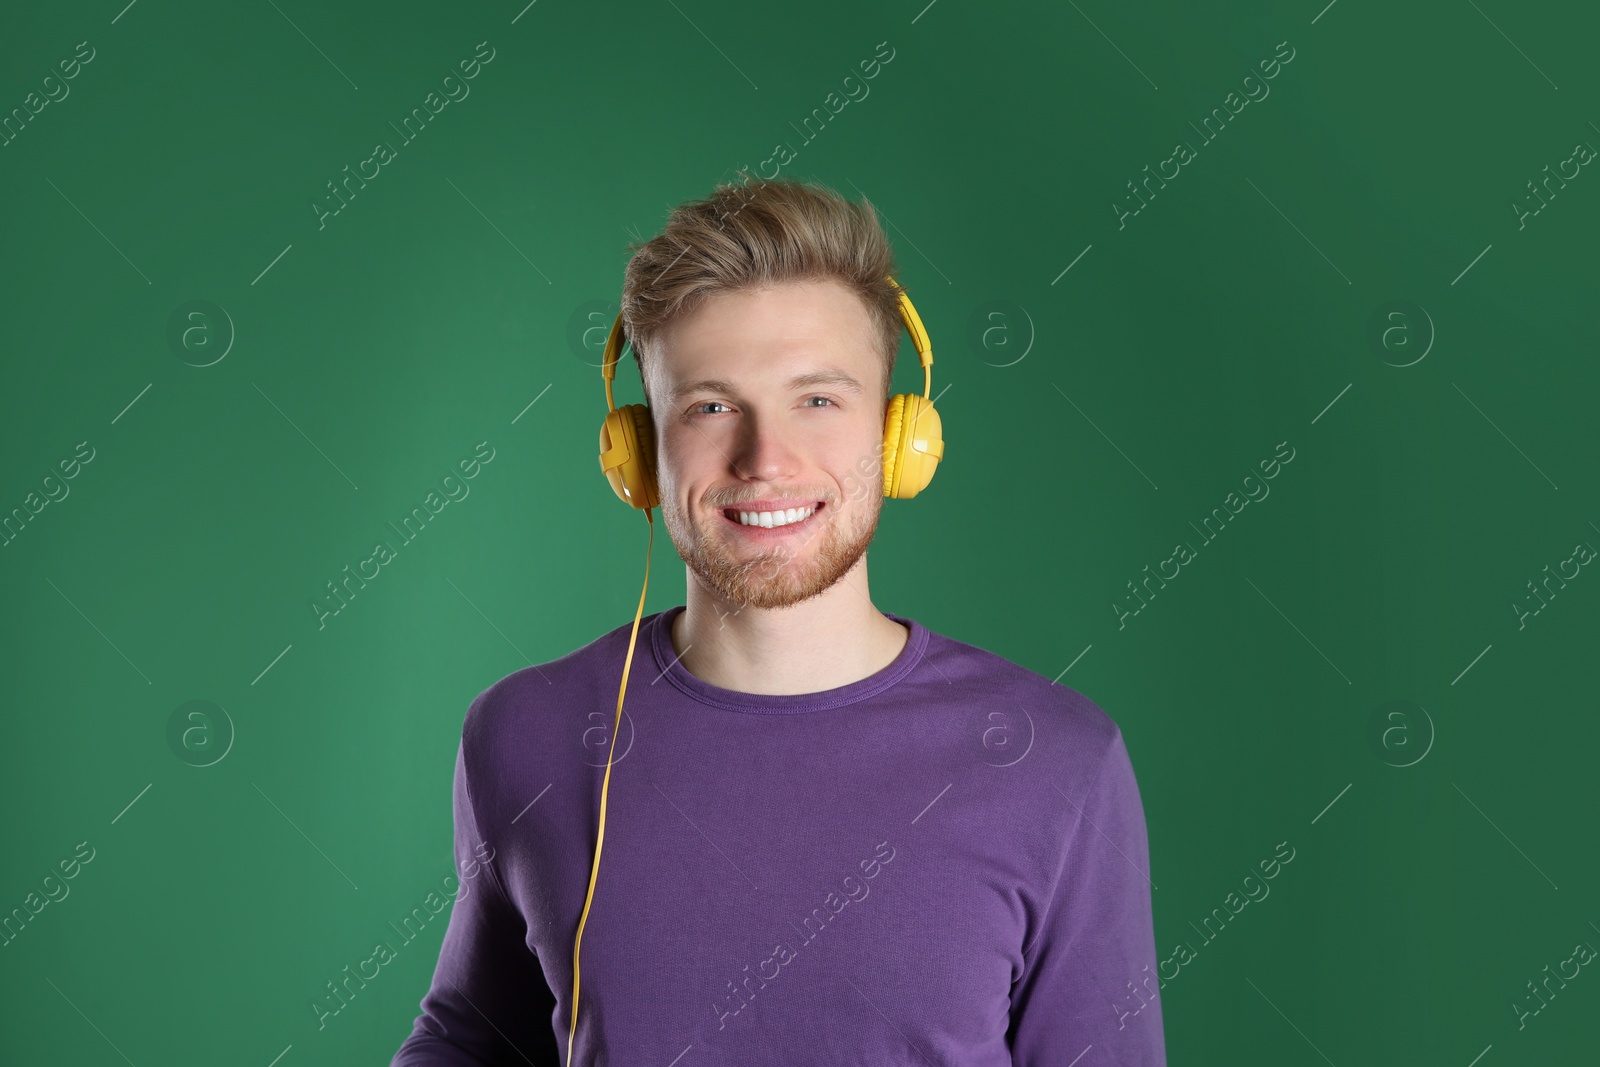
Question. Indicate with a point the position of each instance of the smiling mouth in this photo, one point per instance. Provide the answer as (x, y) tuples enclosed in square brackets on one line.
[(772, 520)]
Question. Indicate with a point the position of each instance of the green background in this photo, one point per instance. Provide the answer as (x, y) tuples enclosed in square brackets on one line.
[(1092, 415)]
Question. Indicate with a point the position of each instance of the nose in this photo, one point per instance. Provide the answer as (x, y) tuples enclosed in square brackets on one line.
[(762, 451)]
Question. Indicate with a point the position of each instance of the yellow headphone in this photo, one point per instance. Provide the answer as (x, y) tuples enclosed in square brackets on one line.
[(913, 444)]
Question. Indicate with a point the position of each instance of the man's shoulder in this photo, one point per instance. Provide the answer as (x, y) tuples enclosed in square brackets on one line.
[(517, 698), (993, 680)]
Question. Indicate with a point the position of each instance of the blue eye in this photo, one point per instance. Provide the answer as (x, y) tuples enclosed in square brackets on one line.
[(699, 409)]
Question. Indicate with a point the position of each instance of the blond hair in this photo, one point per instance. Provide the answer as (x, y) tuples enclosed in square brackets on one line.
[(755, 235)]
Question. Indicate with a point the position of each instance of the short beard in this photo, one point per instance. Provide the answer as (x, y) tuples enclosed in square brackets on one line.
[(768, 580)]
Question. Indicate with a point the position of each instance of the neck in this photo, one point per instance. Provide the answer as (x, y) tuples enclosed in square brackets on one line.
[(830, 640)]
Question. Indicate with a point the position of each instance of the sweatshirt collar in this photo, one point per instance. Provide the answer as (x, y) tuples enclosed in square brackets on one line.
[(660, 635)]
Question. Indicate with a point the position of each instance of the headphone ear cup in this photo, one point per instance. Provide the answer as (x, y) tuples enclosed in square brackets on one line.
[(628, 455), (913, 444), (892, 418)]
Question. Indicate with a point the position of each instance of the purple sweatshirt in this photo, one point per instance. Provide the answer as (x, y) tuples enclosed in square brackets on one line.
[(944, 863)]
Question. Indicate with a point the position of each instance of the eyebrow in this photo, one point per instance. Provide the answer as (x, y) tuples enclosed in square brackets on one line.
[(800, 381)]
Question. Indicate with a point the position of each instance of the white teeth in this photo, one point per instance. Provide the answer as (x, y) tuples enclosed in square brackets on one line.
[(770, 519)]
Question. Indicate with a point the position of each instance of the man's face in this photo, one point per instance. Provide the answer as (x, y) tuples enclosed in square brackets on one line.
[(769, 400)]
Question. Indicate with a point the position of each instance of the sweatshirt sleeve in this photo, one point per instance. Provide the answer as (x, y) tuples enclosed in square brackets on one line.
[(489, 1003), (1089, 979)]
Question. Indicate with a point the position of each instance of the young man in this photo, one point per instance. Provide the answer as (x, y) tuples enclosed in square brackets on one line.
[(832, 835)]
